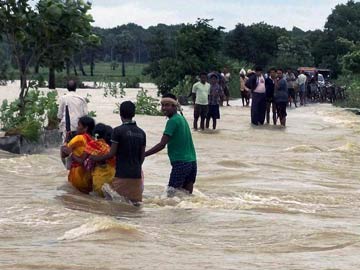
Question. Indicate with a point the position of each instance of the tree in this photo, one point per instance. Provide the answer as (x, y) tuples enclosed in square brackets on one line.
[(293, 51), (196, 48), (124, 45), (66, 26), (19, 24), (256, 43)]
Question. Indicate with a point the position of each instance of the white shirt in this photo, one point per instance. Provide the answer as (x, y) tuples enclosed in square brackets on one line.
[(77, 108), (301, 79), (260, 88)]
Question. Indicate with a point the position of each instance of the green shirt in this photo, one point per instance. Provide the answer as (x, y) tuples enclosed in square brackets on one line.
[(202, 92), (180, 145)]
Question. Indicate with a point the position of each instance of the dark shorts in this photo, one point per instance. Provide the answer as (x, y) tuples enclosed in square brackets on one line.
[(226, 91), (281, 109), (214, 112), (200, 110), (245, 94), (291, 92), (182, 173)]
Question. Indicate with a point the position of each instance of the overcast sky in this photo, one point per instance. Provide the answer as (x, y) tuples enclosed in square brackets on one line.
[(305, 14)]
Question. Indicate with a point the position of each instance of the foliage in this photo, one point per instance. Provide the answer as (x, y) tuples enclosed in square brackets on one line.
[(293, 52), (352, 84), (183, 88), (197, 49), (113, 89), (351, 60), (40, 109), (256, 43), (146, 104)]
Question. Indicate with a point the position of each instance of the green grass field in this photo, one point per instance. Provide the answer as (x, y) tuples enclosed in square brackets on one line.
[(102, 72)]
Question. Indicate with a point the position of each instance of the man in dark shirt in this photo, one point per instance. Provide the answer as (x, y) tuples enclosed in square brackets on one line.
[(269, 91), (128, 145)]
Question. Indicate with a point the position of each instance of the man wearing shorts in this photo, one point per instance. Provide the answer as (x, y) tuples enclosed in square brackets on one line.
[(200, 92), (181, 150)]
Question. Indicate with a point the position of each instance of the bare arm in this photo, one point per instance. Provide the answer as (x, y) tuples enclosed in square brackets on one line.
[(81, 158), (112, 153), (160, 146)]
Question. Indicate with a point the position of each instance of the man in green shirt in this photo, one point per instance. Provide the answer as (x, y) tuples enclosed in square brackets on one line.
[(200, 93), (181, 150)]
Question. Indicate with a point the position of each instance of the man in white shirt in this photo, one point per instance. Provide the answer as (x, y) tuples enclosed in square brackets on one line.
[(258, 103), (200, 93), (77, 108), (302, 86)]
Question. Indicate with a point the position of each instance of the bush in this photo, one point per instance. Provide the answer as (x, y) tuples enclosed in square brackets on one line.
[(183, 88), (39, 109), (147, 105), (352, 98)]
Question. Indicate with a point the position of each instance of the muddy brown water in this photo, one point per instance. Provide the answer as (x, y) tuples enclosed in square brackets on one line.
[(265, 198)]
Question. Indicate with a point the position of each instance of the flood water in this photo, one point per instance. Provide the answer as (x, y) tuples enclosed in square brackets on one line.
[(265, 198)]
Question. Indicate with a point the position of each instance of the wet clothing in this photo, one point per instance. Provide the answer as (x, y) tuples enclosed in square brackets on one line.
[(131, 142), (200, 111), (180, 145), (281, 109), (281, 91), (102, 172), (215, 94), (77, 108), (281, 98), (214, 111), (258, 108), (182, 173), (78, 176), (130, 188), (269, 89)]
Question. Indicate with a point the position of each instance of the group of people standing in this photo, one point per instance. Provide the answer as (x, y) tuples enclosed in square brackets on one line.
[(267, 92), (270, 92), (107, 161), (208, 94)]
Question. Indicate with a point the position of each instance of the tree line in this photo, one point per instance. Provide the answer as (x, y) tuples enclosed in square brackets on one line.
[(68, 42)]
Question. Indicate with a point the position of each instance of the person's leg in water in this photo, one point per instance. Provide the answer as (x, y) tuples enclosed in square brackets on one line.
[(202, 122), (203, 115), (191, 178), (207, 123), (268, 107), (196, 116), (273, 105), (182, 176), (247, 98), (214, 122)]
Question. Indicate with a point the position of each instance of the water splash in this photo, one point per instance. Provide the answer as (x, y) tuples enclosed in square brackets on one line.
[(96, 225)]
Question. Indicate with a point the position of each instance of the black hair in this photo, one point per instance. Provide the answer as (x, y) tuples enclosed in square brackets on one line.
[(100, 131), (214, 75), (272, 69), (87, 122), (169, 95), (280, 69), (258, 68), (203, 73), (71, 85), (109, 131), (127, 110)]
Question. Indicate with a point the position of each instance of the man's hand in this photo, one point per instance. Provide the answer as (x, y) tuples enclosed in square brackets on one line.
[(66, 150)]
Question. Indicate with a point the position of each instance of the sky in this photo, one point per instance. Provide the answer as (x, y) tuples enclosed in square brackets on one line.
[(304, 14)]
